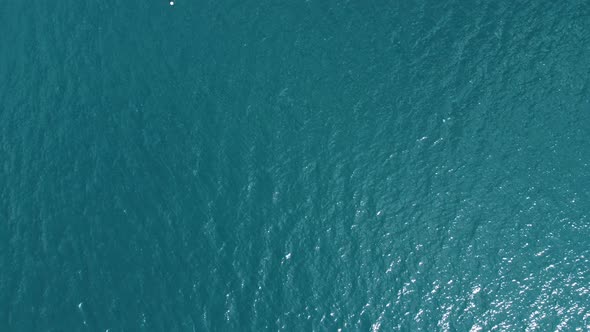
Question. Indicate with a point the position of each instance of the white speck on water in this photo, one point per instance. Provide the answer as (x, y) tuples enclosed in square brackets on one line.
[(476, 328), (375, 327), (540, 253), (390, 267), (171, 3)]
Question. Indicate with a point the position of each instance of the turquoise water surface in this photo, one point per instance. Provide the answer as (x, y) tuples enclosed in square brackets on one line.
[(294, 165)]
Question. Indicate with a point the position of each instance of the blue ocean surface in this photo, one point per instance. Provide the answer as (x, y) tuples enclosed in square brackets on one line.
[(297, 165)]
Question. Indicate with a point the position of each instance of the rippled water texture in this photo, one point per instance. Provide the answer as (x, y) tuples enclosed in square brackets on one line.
[(294, 165)]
